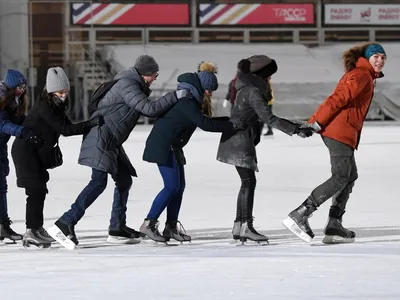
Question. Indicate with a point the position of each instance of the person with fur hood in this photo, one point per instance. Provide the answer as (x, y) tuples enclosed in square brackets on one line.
[(339, 120), (13, 104), (240, 149), (164, 146)]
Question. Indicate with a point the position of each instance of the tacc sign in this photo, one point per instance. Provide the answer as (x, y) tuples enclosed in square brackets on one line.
[(360, 14)]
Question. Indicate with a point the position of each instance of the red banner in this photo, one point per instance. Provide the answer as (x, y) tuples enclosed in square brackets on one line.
[(255, 14), (130, 14)]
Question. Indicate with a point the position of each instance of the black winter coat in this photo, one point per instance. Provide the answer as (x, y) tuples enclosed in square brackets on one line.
[(174, 129), (252, 96), (47, 118)]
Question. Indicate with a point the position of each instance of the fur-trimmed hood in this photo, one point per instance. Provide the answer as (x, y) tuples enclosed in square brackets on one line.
[(351, 59)]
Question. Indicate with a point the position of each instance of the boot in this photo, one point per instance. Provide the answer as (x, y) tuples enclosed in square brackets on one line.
[(171, 231), (124, 236), (64, 234), (33, 237), (150, 228), (334, 231), (297, 221), (247, 231), (236, 230), (45, 235), (7, 233)]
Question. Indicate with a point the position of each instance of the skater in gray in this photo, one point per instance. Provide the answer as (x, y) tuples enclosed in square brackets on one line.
[(102, 150), (240, 149)]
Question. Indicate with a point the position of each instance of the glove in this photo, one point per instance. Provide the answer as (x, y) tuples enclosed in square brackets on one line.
[(96, 121), (238, 124), (180, 94), (31, 137), (304, 130)]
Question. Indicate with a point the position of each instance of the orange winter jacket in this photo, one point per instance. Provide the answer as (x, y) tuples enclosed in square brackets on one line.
[(342, 114)]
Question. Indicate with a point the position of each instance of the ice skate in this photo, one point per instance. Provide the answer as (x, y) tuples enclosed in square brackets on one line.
[(150, 229), (45, 235), (335, 233), (247, 232), (174, 230), (7, 233), (64, 234), (124, 236), (236, 230), (297, 221), (32, 237)]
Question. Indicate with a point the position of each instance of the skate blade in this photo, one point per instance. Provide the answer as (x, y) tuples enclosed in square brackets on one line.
[(28, 244), (334, 239), (294, 228), (118, 240), (60, 237)]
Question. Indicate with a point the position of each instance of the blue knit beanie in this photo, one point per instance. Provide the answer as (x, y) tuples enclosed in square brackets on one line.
[(373, 49), (14, 78), (208, 80)]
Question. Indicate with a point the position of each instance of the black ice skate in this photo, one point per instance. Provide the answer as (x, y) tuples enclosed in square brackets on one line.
[(7, 233), (64, 234), (335, 233), (32, 237), (297, 222), (236, 230), (150, 228), (45, 235), (124, 236), (247, 232), (174, 230)]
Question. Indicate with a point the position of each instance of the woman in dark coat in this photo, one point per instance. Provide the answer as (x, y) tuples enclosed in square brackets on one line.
[(13, 102), (164, 147), (240, 149), (47, 117)]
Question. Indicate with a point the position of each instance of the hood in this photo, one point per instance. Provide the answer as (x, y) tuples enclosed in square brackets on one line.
[(354, 58), (249, 79)]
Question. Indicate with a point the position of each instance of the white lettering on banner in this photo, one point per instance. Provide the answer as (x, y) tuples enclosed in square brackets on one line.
[(291, 14), (372, 14)]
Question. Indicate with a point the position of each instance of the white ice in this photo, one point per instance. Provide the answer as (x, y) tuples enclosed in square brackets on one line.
[(211, 267)]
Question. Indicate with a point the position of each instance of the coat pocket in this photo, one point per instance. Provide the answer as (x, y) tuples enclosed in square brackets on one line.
[(356, 124)]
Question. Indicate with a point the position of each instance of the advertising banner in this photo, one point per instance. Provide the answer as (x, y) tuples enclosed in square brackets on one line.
[(130, 14), (255, 14), (360, 14)]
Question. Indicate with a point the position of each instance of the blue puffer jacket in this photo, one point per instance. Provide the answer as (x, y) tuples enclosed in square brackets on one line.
[(9, 125)]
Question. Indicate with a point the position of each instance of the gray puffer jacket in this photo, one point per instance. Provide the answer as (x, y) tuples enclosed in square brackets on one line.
[(121, 107), (251, 105)]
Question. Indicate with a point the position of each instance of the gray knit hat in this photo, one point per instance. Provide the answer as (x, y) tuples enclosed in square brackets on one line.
[(56, 80), (146, 65)]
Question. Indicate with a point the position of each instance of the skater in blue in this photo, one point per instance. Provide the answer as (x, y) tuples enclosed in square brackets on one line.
[(164, 146), (13, 102)]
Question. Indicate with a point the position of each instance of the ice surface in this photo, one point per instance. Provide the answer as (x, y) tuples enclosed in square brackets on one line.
[(212, 268)]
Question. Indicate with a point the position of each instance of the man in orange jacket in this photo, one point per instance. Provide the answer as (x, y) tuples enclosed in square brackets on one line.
[(339, 120)]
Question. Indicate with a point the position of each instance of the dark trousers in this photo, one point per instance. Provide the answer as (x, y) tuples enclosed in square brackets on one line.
[(245, 200), (340, 184), (3, 198), (123, 183), (170, 196), (34, 207)]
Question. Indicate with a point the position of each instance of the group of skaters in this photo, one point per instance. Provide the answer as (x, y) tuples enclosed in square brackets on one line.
[(115, 109)]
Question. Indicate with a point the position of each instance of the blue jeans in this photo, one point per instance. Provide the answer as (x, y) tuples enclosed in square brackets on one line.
[(123, 183), (171, 195), (3, 198)]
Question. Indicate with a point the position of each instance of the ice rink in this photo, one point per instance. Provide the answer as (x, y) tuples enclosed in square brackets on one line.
[(212, 267)]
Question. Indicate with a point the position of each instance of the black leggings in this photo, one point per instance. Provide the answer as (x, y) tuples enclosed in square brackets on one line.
[(245, 200)]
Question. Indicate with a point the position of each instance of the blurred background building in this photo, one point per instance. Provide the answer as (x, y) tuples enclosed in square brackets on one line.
[(93, 40)]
